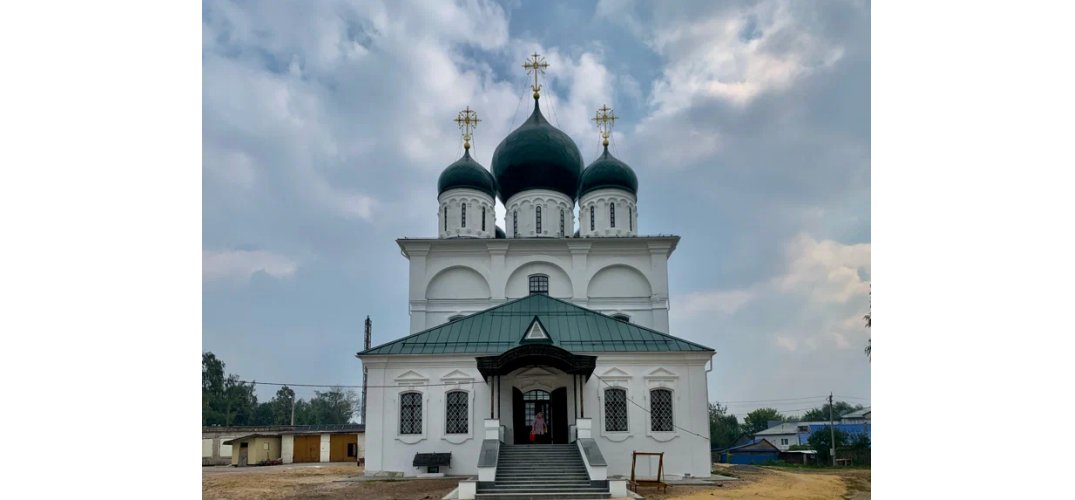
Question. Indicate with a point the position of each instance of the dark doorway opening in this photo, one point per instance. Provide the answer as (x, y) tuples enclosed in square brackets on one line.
[(552, 406)]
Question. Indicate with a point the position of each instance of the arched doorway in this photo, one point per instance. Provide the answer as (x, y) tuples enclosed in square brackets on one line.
[(552, 405)]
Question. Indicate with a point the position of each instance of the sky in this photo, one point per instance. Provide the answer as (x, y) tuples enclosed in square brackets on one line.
[(325, 125)]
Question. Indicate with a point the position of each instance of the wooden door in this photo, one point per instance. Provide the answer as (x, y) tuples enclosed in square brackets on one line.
[(307, 448), (558, 419), (339, 451), (243, 454)]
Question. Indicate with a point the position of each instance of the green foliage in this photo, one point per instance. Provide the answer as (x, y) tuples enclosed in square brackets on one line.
[(822, 414), (226, 401), (821, 441), (758, 420), (723, 427), (859, 441)]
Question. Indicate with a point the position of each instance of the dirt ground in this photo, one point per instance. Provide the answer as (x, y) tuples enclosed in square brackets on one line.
[(264, 483), (270, 483), (777, 483)]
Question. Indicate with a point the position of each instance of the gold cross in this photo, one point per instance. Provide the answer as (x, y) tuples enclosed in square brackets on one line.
[(605, 119), (468, 121), (535, 65)]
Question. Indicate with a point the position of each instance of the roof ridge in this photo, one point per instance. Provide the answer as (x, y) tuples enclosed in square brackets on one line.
[(636, 325), (401, 339)]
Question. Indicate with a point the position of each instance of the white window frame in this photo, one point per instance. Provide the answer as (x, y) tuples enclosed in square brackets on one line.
[(411, 381), (457, 381), (662, 378)]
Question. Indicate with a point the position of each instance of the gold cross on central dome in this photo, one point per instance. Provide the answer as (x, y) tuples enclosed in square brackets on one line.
[(535, 65), (468, 121), (605, 119)]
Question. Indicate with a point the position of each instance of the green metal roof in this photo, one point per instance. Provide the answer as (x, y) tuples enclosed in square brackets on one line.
[(568, 326)]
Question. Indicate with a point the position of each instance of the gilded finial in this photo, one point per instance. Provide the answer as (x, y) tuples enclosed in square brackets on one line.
[(468, 121), (535, 65), (605, 119)]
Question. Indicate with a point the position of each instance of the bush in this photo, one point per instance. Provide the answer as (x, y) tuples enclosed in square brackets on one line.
[(821, 440)]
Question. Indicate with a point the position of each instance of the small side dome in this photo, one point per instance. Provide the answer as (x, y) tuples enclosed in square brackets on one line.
[(500, 235), (576, 234), (606, 172), (466, 173)]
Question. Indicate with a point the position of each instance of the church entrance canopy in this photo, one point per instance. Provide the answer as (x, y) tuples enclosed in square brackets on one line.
[(537, 355)]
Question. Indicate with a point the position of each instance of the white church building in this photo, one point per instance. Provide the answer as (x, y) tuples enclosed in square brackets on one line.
[(555, 316)]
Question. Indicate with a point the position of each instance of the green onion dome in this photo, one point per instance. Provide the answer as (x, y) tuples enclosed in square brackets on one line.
[(500, 235), (606, 172), (537, 156), (466, 173)]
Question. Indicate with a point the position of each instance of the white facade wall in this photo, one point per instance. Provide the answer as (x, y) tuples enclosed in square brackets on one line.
[(638, 373), (778, 440), (603, 203), (451, 204), (611, 275), (521, 213)]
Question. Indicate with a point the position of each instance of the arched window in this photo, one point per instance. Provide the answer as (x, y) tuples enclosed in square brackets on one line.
[(660, 409), (615, 410), (630, 220), (538, 211), (515, 223), (591, 217), (445, 218), (455, 317), (612, 214), (535, 401), (562, 223), (457, 412), (410, 413), (464, 216), (483, 218), (539, 283), (622, 317)]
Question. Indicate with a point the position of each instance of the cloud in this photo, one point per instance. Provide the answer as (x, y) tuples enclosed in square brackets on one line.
[(726, 302), (242, 264), (787, 343), (827, 270)]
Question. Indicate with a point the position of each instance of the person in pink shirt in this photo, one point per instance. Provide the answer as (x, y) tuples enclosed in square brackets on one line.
[(539, 428)]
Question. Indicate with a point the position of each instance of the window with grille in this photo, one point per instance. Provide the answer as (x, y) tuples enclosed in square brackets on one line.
[(538, 210), (612, 214), (457, 412), (515, 224), (410, 413), (615, 410), (562, 233), (464, 216), (483, 218), (591, 217), (539, 283), (660, 408)]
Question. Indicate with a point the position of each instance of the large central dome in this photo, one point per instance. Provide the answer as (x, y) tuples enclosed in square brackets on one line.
[(537, 156)]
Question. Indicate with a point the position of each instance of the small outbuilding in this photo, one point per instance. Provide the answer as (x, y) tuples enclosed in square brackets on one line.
[(254, 449), (756, 452)]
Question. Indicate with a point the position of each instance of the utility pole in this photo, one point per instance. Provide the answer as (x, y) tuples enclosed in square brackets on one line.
[(832, 433), (292, 410), (365, 371)]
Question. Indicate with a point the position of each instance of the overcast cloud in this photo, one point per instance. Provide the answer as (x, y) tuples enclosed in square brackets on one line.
[(326, 124)]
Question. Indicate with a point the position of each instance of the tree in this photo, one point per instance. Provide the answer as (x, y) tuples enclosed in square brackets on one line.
[(822, 414), (225, 401), (758, 420), (263, 415), (335, 406), (723, 427), (821, 441), (281, 406)]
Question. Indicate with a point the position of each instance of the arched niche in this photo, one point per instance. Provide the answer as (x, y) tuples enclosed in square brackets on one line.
[(518, 284), (618, 281), (458, 282)]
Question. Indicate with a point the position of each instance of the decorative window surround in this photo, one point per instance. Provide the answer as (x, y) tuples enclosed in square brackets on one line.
[(662, 379), (412, 381), (458, 380)]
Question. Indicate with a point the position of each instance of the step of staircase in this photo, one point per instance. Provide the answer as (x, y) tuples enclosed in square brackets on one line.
[(539, 472)]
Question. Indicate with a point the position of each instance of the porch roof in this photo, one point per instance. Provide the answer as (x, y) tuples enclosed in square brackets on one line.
[(568, 326)]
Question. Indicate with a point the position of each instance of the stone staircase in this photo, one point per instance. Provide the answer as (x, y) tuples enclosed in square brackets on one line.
[(540, 471)]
